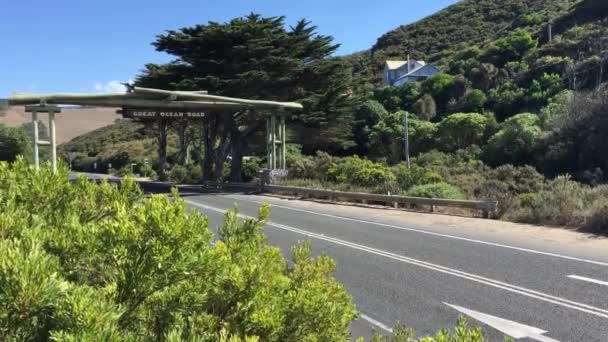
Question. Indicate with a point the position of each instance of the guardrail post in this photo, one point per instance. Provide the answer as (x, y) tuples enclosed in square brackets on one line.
[(485, 213)]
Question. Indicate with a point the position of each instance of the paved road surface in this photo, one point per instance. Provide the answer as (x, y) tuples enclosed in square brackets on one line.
[(425, 277)]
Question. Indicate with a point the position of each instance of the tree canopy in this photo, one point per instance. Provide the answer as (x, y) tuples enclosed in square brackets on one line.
[(13, 142), (257, 57)]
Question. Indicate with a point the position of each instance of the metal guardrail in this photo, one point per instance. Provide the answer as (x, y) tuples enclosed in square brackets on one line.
[(487, 208)]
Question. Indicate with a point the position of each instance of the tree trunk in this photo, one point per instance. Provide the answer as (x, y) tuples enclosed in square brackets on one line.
[(237, 151), (207, 142), (182, 129), (221, 152), (162, 149)]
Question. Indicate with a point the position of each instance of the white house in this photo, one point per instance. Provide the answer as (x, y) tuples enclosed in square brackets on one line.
[(398, 73)]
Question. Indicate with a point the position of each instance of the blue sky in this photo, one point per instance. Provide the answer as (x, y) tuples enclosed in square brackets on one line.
[(88, 46)]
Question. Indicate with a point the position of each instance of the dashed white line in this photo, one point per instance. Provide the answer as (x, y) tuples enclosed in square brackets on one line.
[(438, 268), (527, 250), (590, 280), (376, 323)]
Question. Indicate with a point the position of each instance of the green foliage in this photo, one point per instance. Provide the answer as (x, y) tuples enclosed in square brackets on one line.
[(308, 167), (507, 184), (421, 135), (186, 174), (462, 333), (416, 175), (557, 107), (13, 142), (363, 172), (576, 144), (545, 88), (251, 168), (366, 116), (515, 142), (507, 99), (513, 48), (436, 190), (461, 130), (264, 58), (386, 138), (425, 107), (443, 87), (397, 98), (562, 202), (81, 261), (473, 101)]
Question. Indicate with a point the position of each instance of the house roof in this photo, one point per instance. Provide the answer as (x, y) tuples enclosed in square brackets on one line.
[(392, 65), (395, 64), (412, 72)]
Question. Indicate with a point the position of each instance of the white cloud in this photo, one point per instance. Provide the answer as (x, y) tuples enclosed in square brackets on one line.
[(111, 87)]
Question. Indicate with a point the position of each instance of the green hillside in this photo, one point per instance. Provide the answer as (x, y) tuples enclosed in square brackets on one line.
[(451, 33)]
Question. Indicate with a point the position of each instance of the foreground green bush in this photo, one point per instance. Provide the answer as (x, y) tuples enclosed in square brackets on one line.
[(80, 261), (86, 262)]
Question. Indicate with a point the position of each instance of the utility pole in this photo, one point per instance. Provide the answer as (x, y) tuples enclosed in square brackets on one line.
[(407, 139), (550, 28)]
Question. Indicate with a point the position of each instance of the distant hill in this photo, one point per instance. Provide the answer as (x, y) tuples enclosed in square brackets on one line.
[(71, 122), (440, 38)]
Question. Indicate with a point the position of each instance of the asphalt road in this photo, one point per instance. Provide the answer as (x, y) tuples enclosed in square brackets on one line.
[(426, 277)]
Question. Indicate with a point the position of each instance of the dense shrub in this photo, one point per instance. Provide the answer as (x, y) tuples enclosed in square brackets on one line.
[(416, 175), (462, 169), (460, 130), (462, 333), (309, 167), (436, 190), (562, 202), (421, 136), (178, 174), (357, 171), (506, 183), (80, 261), (250, 168), (597, 217), (515, 142), (386, 138), (365, 117), (13, 142), (186, 174)]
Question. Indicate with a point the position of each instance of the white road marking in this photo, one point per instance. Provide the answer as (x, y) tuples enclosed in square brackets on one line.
[(376, 323), (438, 268), (600, 263), (591, 280), (511, 328)]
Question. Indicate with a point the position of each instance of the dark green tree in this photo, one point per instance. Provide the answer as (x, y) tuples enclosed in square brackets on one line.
[(367, 115), (515, 142), (461, 130), (512, 48), (258, 58), (13, 142)]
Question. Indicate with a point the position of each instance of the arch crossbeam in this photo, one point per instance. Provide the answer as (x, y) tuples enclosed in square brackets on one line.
[(148, 99)]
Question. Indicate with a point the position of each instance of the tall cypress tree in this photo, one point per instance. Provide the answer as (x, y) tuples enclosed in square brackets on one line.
[(258, 58)]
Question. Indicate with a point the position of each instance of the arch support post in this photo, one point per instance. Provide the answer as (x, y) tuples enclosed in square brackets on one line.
[(275, 134), (51, 110)]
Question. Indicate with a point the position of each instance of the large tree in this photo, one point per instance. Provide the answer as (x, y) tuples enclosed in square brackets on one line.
[(258, 58), (13, 142)]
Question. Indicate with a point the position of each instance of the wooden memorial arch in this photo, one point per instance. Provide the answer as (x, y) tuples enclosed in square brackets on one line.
[(160, 105)]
